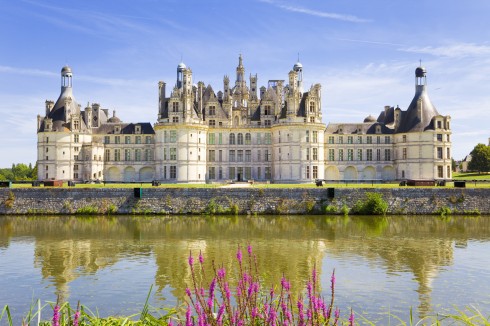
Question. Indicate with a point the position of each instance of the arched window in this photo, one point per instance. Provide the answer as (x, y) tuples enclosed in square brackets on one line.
[(248, 139), (240, 139), (232, 139)]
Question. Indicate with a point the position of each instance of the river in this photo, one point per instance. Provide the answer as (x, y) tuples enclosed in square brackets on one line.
[(383, 265)]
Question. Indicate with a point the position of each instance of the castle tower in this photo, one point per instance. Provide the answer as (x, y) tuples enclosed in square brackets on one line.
[(180, 74), (298, 68)]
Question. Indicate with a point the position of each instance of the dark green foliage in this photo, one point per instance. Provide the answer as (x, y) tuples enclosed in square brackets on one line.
[(480, 158), (19, 172), (374, 204)]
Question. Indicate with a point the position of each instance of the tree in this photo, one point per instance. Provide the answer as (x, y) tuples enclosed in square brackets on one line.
[(480, 158)]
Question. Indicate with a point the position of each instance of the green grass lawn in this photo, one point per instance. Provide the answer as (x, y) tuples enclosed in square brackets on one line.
[(472, 176)]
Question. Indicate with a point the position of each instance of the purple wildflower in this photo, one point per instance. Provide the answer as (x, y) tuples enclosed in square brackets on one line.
[(255, 312), (337, 313), (221, 273), (191, 260), (220, 313), (76, 318), (201, 258), (188, 319), (285, 284), (351, 318), (249, 249), (188, 292), (56, 315), (239, 255), (332, 280), (227, 291)]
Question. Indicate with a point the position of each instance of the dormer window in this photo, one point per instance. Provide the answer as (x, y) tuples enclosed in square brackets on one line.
[(75, 124), (378, 129), (439, 124), (117, 129), (138, 129)]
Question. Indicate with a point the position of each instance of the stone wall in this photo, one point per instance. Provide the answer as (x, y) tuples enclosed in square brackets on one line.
[(162, 200)]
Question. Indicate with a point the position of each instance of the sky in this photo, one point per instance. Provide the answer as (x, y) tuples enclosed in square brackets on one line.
[(363, 53)]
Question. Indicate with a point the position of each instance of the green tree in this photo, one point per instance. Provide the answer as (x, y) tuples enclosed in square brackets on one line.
[(480, 158)]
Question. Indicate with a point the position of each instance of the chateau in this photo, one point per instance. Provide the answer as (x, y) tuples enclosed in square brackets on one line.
[(244, 132)]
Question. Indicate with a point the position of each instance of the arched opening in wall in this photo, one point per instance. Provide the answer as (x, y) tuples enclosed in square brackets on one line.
[(389, 173), (146, 174), (332, 173), (112, 174), (129, 174), (369, 173), (350, 173)]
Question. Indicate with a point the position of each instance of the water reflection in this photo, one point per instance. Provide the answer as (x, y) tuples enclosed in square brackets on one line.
[(68, 248)]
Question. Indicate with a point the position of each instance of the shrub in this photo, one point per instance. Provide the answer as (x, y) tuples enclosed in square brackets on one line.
[(88, 210), (444, 211), (9, 202), (330, 209), (374, 204)]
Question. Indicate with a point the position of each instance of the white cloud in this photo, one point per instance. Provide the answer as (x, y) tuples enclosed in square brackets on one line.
[(457, 50), (317, 13)]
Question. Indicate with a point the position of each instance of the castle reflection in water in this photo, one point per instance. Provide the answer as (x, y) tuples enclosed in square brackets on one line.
[(67, 248)]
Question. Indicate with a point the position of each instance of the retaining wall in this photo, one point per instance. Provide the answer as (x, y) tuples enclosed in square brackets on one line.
[(235, 200)]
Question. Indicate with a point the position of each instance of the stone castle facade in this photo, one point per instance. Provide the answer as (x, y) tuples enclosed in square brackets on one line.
[(243, 132)]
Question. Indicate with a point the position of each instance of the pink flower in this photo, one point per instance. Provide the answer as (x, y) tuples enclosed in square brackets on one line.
[(332, 280), (188, 292), (221, 273), (239, 255), (76, 318), (191, 260), (337, 313), (188, 319), (201, 258), (56, 315), (351, 318), (249, 249)]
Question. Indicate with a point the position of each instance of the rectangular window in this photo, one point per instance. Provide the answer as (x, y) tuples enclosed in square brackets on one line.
[(220, 155), (350, 155), (404, 154), (307, 172), (173, 172), (137, 155), (212, 173), (267, 156), (341, 140), (439, 137), (259, 173), (448, 153), (220, 138), (315, 136), (148, 155), (359, 139), (331, 155), (439, 152), (76, 138), (258, 138), (107, 155), (315, 172), (248, 173), (175, 107), (404, 138), (267, 122), (165, 154), (212, 123), (220, 173), (148, 140), (341, 154), (248, 139), (117, 139), (378, 139), (378, 155), (127, 139), (127, 155), (307, 154), (173, 154), (211, 139), (212, 155), (267, 173), (231, 156), (75, 167), (359, 154), (315, 154), (173, 136), (387, 155), (212, 110), (331, 139), (440, 171), (350, 139), (369, 155), (307, 136), (267, 138), (259, 155), (387, 140), (137, 139), (369, 139), (107, 140), (239, 157), (248, 155), (231, 172), (117, 155)]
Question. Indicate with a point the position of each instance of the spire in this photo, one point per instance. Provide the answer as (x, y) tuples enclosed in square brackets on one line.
[(240, 70)]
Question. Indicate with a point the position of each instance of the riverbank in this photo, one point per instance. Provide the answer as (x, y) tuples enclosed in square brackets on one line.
[(249, 200)]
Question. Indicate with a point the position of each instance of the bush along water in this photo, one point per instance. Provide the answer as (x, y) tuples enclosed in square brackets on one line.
[(374, 204), (252, 304)]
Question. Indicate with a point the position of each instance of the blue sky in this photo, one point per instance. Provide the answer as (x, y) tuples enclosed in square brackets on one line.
[(364, 54)]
